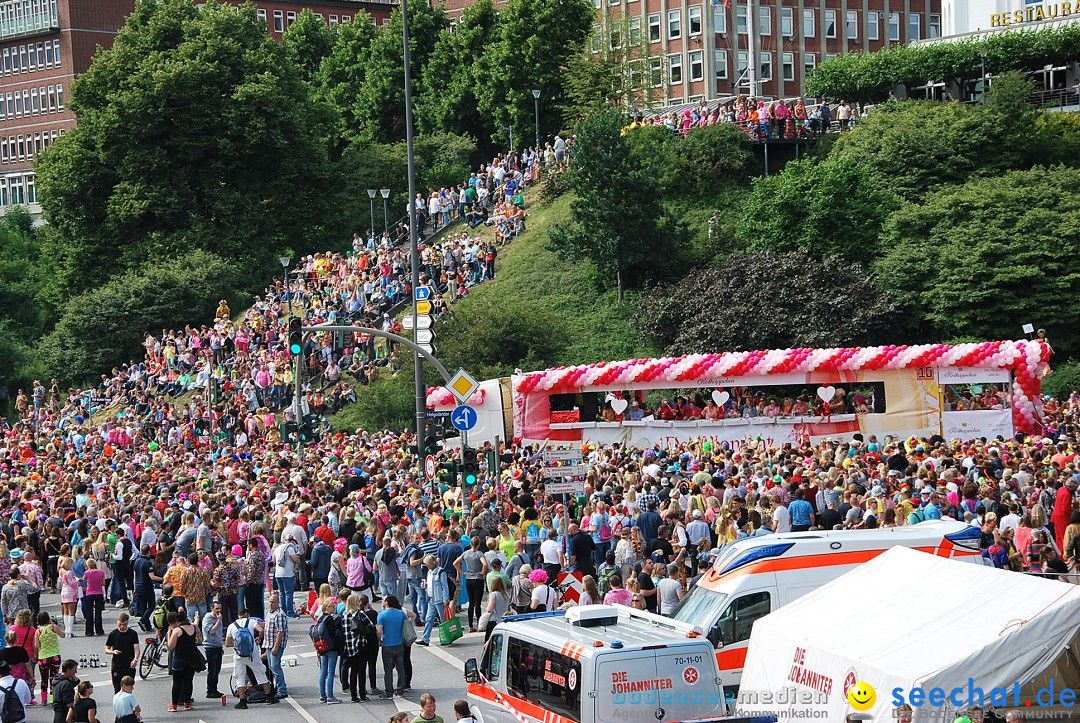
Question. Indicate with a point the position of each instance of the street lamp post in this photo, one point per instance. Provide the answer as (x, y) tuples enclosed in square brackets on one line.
[(285, 261), (385, 193), (511, 130), (371, 196), (983, 52), (414, 252), (536, 106)]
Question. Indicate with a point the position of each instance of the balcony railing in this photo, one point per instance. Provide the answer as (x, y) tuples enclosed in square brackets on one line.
[(28, 25)]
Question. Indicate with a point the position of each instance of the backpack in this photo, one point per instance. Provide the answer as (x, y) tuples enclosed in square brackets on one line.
[(244, 640), (161, 613), (605, 529), (605, 580), (319, 632), (532, 532), (13, 711)]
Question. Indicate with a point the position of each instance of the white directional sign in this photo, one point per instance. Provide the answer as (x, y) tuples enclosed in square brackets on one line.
[(422, 322), (429, 348), (424, 336)]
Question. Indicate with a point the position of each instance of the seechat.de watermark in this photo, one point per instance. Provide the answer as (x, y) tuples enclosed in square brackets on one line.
[(1052, 695)]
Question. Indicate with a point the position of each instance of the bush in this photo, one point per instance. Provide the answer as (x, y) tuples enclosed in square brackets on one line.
[(104, 327), (770, 300)]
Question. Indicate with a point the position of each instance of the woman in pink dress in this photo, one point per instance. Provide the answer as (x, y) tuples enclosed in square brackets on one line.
[(69, 595)]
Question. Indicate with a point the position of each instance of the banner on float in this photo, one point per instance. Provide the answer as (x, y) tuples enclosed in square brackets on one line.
[(972, 375), (988, 423)]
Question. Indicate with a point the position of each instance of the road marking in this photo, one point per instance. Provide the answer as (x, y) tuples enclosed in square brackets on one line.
[(311, 654), (300, 709), (404, 706), (446, 657)]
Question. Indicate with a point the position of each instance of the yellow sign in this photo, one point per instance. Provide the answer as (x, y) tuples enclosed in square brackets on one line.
[(1034, 13), (463, 385), (423, 307)]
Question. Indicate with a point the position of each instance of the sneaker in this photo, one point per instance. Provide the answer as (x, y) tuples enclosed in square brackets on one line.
[(120, 604), (188, 706), (332, 701), (322, 699), (274, 699), (423, 642), (172, 708), (400, 692), (384, 696), (242, 705), (215, 694)]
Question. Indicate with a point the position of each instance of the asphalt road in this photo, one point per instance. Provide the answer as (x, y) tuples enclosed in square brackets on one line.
[(436, 669)]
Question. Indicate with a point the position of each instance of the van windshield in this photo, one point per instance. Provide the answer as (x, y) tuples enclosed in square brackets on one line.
[(701, 607)]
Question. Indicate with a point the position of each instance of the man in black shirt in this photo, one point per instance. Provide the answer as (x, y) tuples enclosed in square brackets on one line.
[(830, 517), (582, 548), (646, 585), (660, 549), (123, 647)]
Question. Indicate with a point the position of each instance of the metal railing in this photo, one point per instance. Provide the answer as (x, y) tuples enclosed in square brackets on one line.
[(22, 25)]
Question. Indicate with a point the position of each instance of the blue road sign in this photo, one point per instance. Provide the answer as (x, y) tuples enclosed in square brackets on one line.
[(463, 417), (423, 293)]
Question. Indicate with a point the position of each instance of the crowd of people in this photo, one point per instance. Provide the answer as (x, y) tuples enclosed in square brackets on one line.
[(214, 542), (760, 119)]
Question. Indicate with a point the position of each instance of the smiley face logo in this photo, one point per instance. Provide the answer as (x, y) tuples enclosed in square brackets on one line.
[(861, 696)]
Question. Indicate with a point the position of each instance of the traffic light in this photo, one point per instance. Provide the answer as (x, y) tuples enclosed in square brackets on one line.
[(470, 467), (446, 473), (431, 445), (296, 336)]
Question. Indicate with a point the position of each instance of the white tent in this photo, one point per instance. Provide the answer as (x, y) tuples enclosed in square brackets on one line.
[(908, 619)]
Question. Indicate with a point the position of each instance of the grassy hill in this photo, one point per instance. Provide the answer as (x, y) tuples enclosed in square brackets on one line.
[(540, 311)]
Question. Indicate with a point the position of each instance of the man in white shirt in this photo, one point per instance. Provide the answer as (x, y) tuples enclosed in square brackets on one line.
[(13, 686), (552, 555), (781, 518)]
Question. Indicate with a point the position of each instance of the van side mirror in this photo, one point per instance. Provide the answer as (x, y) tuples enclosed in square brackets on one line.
[(472, 671)]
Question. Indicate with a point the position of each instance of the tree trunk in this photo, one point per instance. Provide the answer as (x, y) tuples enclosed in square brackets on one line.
[(618, 285)]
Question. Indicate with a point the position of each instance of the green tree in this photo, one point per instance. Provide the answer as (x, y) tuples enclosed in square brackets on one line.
[(195, 131), (825, 209), (309, 41), (380, 104), (610, 72), (987, 257), (342, 75), (447, 102), (531, 50), (616, 218), (770, 301), (103, 327)]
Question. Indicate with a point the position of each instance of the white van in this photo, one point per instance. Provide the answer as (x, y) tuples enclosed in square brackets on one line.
[(754, 576), (596, 664)]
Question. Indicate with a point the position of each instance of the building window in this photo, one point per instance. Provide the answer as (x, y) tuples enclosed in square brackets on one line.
[(41, 55), (56, 53), (637, 73), (22, 147), (851, 25), (873, 25), (830, 23), (764, 20), (16, 190), (52, 99), (290, 17), (31, 192), (741, 65), (654, 28), (10, 106), (675, 69), (3, 152), (809, 62), (346, 18), (37, 143), (894, 27), (787, 22), (59, 97), (719, 18), (35, 108), (613, 2), (18, 104), (674, 24), (914, 27), (614, 38), (333, 21), (740, 19), (279, 21), (808, 30), (23, 61), (32, 59), (7, 61), (656, 72), (595, 38), (261, 13), (765, 63), (935, 26), (720, 61), (693, 18), (788, 66), (635, 31), (697, 66)]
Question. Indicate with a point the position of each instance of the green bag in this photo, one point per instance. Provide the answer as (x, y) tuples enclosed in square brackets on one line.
[(450, 631)]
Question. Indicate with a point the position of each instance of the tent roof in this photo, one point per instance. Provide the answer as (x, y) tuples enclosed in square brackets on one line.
[(911, 600)]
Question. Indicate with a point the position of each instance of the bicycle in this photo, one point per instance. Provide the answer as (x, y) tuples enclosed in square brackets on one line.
[(156, 653)]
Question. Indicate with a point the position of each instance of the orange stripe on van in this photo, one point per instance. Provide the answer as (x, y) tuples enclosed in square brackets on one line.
[(732, 659), (806, 562), (572, 650), (521, 706)]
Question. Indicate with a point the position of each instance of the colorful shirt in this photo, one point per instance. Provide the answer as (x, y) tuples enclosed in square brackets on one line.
[(227, 577), (197, 583), (177, 577)]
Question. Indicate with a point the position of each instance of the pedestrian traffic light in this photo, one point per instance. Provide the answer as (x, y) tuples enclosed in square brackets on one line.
[(296, 336), (470, 467)]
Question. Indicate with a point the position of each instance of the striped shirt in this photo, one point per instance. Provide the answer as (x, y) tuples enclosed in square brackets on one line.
[(276, 622)]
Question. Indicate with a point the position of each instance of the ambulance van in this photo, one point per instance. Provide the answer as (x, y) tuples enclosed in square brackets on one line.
[(755, 576), (596, 664)]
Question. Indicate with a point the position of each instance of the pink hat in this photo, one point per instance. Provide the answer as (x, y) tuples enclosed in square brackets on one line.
[(237, 550)]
